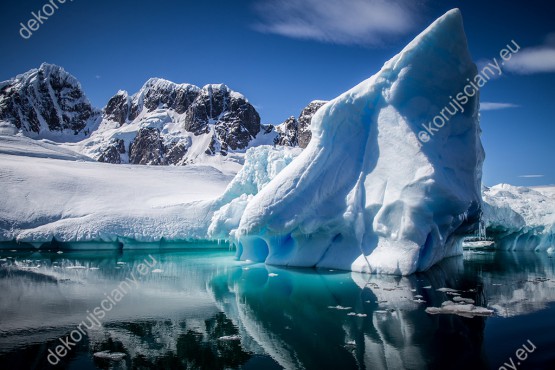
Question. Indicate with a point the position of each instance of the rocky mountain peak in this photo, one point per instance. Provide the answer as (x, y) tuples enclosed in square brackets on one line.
[(296, 131), (47, 102)]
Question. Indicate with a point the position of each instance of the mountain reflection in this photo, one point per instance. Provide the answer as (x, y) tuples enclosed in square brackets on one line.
[(203, 309)]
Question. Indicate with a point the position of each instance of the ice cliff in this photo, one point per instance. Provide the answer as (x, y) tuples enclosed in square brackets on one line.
[(519, 217), (366, 194)]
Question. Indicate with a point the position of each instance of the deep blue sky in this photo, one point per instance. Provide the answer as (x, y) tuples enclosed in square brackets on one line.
[(283, 54)]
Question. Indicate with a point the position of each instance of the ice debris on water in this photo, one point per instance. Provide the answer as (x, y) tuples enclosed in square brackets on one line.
[(111, 356)]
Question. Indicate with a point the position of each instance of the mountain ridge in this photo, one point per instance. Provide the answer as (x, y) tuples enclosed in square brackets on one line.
[(163, 123)]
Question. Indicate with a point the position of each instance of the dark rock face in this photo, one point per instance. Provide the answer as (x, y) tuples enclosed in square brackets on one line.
[(147, 148), (118, 108), (296, 132), (158, 93), (304, 134), (232, 118), (288, 133), (215, 109), (47, 99), (112, 153)]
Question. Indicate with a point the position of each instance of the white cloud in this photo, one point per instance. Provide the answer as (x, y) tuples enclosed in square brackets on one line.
[(496, 106), (531, 176), (360, 22), (538, 59)]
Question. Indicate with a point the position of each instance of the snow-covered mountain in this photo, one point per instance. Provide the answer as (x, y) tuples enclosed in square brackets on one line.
[(49, 103), (169, 123), (164, 123), (295, 131)]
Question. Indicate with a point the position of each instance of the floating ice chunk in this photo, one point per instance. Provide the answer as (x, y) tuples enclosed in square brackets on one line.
[(445, 290), (466, 310), (230, 337), (271, 274), (339, 307), (111, 356), (157, 271), (464, 300)]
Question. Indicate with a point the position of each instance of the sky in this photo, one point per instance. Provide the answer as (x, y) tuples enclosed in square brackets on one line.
[(282, 54)]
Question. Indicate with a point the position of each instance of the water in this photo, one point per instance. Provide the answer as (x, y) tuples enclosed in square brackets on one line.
[(202, 309)]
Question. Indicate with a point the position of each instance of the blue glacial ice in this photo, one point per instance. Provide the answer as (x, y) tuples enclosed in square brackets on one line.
[(366, 194)]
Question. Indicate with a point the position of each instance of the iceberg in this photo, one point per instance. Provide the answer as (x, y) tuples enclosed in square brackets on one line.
[(520, 218), (367, 194)]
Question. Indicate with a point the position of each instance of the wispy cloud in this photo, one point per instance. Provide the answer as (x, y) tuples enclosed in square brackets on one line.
[(360, 22), (496, 106), (531, 176), (537, 59)]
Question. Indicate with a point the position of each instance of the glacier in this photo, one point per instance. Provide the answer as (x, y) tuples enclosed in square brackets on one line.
[(520, 218), (366, 195)]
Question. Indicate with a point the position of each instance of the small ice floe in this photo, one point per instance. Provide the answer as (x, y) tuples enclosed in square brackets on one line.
[(419, 300), (413, 290), (157, 271), (271, 274), (29, 267), (351, 344), (111, 356), (246, 268), (338, 307), (94, 268), (427, 287), (380, 311), (446, 290), (378, 302), (357, 314), (76, 267), (367, 301), (120, 263), (418, 296), (453, 294), (463, 300), (496, 284), (465, 310), (59, 252), (3, 259), (228, 338)]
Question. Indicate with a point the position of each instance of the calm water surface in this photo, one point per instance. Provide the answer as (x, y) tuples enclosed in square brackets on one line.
[(201, 309)]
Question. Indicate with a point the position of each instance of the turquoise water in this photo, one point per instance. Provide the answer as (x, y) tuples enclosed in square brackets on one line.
[(201, 309)]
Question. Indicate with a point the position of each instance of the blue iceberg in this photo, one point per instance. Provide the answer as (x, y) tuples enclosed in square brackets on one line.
[(371, 192)]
